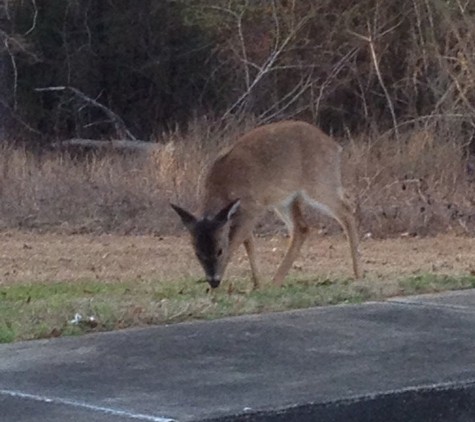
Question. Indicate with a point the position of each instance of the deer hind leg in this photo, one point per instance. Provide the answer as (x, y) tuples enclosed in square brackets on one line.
[(299, 229), (346, 218), (341, 209)]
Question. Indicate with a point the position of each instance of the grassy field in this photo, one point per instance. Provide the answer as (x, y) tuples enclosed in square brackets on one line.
[(47, 310), (95, 235), (136, 281)]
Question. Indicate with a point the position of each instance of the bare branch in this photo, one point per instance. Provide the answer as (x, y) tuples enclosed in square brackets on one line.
[(18, 118), (462, 95), (276, 24), (124, 145), (244, 58), (15, 44), (243, 48), (266, 67), (6, 8), (361, 37), (119, 124), (35, 17), (333, 74), (461, 6), (383, 86), (15, 72), (287, 100), (370, 39)]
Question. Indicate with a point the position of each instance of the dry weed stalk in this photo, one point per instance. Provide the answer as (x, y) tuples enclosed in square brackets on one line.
[(421, 185)]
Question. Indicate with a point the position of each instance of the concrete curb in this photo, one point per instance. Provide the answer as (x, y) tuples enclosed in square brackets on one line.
[(437, 403)]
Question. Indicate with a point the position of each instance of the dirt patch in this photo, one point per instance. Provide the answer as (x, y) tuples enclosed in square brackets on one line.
[(30, 258)]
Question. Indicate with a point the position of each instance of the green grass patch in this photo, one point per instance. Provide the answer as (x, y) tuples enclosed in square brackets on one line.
[(425, 283), (7, 334), (32, 311)]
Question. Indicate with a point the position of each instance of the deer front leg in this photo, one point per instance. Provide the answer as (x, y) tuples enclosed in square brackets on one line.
[(240, 233), (249, 244)]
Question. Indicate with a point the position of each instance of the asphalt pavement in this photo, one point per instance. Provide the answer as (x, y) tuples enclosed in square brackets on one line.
[(406, 359)]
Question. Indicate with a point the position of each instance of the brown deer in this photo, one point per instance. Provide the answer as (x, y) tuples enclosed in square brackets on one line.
[(283, 165)]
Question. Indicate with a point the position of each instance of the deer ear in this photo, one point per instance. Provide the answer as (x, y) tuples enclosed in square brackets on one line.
[(189, 220), (227, 212)]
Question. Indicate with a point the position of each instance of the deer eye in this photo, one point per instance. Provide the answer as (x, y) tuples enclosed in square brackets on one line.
[(220, 252)]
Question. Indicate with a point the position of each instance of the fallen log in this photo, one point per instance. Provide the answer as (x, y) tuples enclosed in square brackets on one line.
[(116, 145)]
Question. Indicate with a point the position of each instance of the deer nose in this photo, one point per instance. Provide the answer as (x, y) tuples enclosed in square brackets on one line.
[(214, 281)]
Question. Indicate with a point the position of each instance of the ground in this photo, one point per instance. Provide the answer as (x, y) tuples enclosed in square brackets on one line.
[(29, 258), (136, 281)]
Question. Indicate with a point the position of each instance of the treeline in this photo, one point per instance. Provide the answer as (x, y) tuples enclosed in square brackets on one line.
[(144, 66)]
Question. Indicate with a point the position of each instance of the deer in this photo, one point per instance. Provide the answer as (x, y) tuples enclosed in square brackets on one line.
[(283, 166)]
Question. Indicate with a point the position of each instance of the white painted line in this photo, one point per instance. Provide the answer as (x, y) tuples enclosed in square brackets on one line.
[(107, 410)]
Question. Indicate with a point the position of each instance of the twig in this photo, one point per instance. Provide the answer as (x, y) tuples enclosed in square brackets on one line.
[(370, 40), (333, 74), (292, 96), (244, 59), (243, 47), (462, 94), (383, 86), (15, 73), (18, 118), (7, 10), (35, 17), (266, 68)]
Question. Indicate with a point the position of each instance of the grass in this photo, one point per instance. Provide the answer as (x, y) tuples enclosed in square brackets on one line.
[(394, 184), (34, 311)]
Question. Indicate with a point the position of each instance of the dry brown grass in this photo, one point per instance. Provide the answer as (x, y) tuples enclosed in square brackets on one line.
[(420, 185)]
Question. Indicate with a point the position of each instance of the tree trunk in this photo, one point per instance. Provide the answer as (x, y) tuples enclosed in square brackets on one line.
[(6, 76), (6, 94)]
